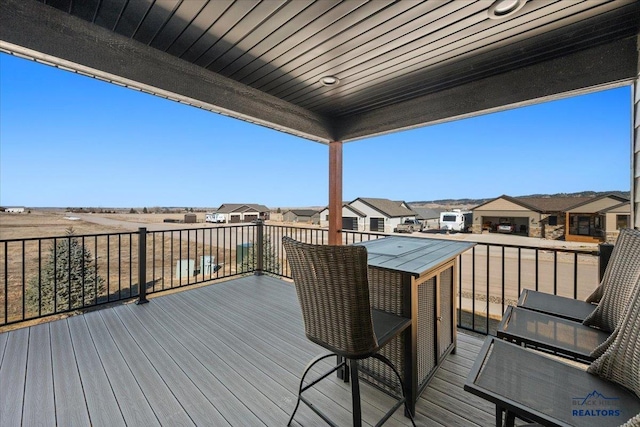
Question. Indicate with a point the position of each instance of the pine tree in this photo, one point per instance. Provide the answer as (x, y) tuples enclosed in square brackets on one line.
[(69, 269), (270, 262)]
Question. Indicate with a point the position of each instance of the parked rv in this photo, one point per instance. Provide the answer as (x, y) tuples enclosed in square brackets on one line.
[(214, 217), (456, 220)]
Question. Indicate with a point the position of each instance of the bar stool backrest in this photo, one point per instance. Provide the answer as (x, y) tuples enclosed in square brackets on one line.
[(333, 290)]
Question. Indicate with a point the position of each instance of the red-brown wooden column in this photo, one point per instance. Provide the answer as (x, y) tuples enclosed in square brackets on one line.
[(635, 151), (335, 193)]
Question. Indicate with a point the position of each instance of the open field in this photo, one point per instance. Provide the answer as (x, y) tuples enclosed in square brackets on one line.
[(46, 224), (114, 258)]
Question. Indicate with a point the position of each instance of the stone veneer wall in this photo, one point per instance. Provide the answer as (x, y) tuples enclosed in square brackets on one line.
[(535, 231), (553, 232), (611, 236)]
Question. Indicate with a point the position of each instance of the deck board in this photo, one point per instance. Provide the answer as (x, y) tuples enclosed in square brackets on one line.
[(67, 384), (38, 393), (132, 401), (99, 398), (12, 377), (226, 354)]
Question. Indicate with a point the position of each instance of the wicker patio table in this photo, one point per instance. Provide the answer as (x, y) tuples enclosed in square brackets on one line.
[(416, 278)]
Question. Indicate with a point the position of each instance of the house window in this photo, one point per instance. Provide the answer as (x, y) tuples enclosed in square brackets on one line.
[(553, 219), (584, 226), (326, 217), (622, 221)]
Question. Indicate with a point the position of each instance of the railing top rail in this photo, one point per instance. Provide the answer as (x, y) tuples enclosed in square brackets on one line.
[(540, 248), (242, 225), (119, 233), (68, 236)]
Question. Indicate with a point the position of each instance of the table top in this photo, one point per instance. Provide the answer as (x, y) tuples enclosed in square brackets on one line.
[(412, 255), (529, 384)]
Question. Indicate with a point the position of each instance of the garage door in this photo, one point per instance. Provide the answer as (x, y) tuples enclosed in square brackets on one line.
[(376, 224), (234, 219), (249, 218), (349, 223)]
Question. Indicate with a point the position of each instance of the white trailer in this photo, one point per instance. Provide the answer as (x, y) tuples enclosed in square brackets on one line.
[(214, 217), (456, 220)]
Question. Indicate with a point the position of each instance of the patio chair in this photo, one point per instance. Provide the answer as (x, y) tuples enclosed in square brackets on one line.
[(333, 290), (587, 340), (530, 385), (624, 258)]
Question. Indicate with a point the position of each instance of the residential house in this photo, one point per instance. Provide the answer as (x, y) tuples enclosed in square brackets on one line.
[(587, 221), (306, 216), (382, 215), (238, 212), (569, 218), (352, 218), (14, 209), (429, 217)]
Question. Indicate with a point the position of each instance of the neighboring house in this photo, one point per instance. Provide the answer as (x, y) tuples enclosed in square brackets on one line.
[(352, 219), (276, 216), (14, 209), (382, 215), (237, 212), (587, 221), (429, 217), (547, 217), (306, 216)]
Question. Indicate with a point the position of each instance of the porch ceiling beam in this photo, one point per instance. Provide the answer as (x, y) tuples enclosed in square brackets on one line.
[(43, 33), (603, 66)]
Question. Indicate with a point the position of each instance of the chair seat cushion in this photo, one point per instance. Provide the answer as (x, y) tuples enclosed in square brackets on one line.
[(567, 308), (387, 325)]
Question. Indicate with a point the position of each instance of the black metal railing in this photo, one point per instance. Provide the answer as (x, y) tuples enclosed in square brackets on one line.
[(44, 276), (492, 276), (53, 275)]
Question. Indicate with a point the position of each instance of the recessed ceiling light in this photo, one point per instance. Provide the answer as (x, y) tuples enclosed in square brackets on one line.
[(329, 81), (503, 8)]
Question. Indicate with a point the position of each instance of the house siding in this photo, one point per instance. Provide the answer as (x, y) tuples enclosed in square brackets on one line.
[(502, 205), (346, 213), (595, 206), (389, 223)]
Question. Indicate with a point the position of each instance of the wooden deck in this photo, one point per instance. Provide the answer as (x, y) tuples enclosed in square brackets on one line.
[(226, 354)]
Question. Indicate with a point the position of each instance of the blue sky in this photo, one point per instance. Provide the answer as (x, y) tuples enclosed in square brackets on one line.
[(69, 140)]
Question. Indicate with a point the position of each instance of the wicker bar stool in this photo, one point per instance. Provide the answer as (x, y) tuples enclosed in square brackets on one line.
[(333, 290)]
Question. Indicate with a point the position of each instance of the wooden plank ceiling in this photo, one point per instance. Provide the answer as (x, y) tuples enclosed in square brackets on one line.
[(399, 64)]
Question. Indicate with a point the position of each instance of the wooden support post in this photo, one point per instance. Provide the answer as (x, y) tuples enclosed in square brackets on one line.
[(335, 193)]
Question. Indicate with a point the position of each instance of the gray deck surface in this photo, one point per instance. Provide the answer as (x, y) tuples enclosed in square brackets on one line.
[(226, 354)]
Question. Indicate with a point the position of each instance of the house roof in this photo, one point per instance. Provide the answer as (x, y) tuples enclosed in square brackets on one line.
[(553, 204), (548, 204), (390, 208), (397, 65), (427, 213), (239, 207), (303, 212)]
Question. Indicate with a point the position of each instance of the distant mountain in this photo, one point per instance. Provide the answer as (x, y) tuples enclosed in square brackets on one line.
[(475, 202)]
